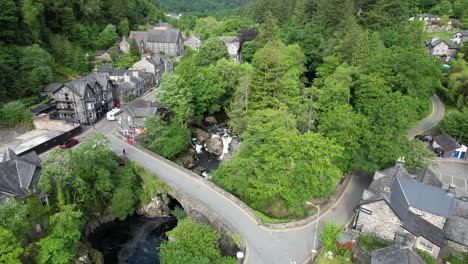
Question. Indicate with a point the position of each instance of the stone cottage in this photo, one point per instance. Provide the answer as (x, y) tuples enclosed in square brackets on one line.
[(445, 49), (404, 209), (193, 42), (460, 37), (158, 40), (233, 46)]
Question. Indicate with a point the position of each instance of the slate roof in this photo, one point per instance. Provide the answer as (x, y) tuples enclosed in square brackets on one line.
[(422, 196), (192, 37), (143, 108), (446, 142), (455, 228), (138, 36), (105, 68), (52, 87), (451, 44), (99, 52), (92, 78), (163, 36), (119, 72), (394, 254), (426, 176), (16, 173), (125, 87), (421, 227)]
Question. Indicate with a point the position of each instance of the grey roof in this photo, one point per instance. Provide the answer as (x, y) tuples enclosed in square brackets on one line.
[(16, 174), (229, 39), (138, 36), (446, 142), (9, 154), (143, 108), (421, 227), (78, 87), (125, 87), (52, 87), (456, 229), (145, 75), (119, 72), (451, 44), (422, 196), (463, 33), (99, 52), (398, 200), (427, 15), (102, 80), (192, 37), (163, 36), (105, 68), (426, 176), (163, 24), (394, 254)]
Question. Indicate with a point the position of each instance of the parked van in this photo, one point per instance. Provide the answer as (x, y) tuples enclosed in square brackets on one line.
[(111, 115)]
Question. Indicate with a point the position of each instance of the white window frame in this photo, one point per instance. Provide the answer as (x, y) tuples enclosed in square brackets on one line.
[(426, 246), (419, 211)]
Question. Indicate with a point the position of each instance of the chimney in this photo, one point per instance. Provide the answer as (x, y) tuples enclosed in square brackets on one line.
[(123, 38), (451, 188), (400, 161), (135, 74), (126, 78)]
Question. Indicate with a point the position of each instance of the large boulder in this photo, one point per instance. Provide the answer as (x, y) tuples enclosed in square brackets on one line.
[(156, 208), (200, 135), (214, 146), (211, 120), (187, 159)]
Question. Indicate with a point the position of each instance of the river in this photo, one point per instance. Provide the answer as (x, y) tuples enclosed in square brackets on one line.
[(135, 240)]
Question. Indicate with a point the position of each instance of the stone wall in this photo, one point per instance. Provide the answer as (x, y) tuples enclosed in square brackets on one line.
[(436, 220), (453, 248), (382, 222), (435, 251)]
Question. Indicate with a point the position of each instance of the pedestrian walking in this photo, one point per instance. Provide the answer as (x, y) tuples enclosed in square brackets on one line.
[(123, 150)]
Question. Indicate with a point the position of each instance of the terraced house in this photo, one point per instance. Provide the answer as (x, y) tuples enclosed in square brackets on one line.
[(413, 210)]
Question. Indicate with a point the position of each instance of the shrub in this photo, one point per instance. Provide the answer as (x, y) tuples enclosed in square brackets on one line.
[(328, 236), (426, 257), (13, 114), (372, 243), (457, 260), (179, 213)]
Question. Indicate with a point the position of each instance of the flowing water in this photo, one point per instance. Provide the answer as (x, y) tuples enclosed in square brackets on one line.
[(134, 241)]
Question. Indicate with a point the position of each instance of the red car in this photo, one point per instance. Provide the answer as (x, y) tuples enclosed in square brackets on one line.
[(70, 143)]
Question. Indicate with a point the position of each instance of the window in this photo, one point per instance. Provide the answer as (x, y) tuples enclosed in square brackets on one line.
[(366, 211), (89, 106), (425, 245)]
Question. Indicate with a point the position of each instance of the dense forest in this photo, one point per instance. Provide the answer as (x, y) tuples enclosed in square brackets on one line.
[(43, 41), (198, 6), (326, 87)]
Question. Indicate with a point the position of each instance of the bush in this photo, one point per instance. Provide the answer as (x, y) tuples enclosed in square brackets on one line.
[(426, 256), (328, 236), (457, 260), (179, 213), (372, 243), (151, 186), (13, 114)]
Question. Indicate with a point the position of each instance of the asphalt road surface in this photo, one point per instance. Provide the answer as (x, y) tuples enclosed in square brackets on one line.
[(438, 111)]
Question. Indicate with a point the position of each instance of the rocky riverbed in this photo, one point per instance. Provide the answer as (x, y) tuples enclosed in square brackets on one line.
[(212, 144)]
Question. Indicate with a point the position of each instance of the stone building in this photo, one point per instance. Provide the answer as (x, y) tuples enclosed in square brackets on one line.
[(460, 37), (403, 208), (158, 40), (193, 42), (233, 46), (83, 100), (445, 49)]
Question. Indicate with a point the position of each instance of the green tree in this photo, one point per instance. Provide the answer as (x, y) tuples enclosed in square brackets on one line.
[(176, 94), (125, 195), (107, 37), (8, 20), (192, 243), (124, 27), (33, 17), (134, 48), (168, 140), (248, 51), (10, 248), (14, 217), (458, 88), (60, 246), (455, 124), (275, 159), (39, 66), (211, 51)]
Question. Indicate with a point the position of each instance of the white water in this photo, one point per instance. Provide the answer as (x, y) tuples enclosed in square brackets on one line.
[(199, 148), (226, 141), (206, 175)]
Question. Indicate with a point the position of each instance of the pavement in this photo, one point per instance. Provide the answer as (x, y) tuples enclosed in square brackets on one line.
[(453, 172), (438, 111)]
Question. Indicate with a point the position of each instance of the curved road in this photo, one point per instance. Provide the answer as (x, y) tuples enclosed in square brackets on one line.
[(263, 245), (438, 111)]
